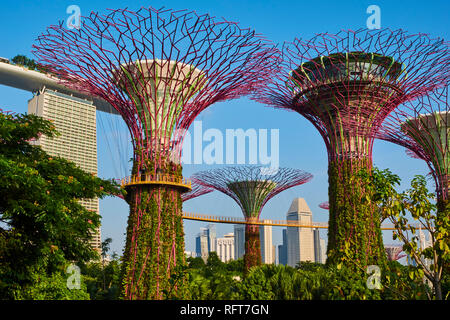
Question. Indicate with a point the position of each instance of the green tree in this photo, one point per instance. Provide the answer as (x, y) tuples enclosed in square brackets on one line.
[(418, 202), (43, 225), (20, 60), (105, 248)]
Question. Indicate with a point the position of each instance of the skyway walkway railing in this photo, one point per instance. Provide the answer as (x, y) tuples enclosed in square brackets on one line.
[(267, 222)]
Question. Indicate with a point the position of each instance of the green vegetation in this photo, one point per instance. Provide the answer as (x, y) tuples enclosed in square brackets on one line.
[(44, 228), (22, 60), (434, 261), (354, 234), (308, 281), (154, 245)]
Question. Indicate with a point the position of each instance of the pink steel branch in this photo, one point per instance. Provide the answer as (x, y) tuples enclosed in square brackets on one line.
[(324, 205), (196, 191)]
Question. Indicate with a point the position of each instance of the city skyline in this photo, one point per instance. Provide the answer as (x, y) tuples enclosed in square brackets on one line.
[(292, 142), (304, 245)]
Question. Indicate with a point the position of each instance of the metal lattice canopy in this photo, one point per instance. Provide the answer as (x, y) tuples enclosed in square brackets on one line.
[(158, 68), (347, 83), (250, 186), (423, 127)]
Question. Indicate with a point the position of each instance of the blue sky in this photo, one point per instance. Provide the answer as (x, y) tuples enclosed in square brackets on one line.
[(300, 144)]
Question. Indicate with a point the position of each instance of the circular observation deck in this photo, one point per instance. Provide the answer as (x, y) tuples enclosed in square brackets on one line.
[(352, 75), (157, 180)]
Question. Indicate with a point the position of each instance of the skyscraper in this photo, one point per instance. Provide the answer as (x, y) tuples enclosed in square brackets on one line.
[(75, 120), (323, 251), (319, 247), (300, 241), (211, 233), (282, 249), (201, 244), (225, 247), (239, 240), (265, 236)]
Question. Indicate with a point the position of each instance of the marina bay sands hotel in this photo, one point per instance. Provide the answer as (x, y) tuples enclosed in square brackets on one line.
[(72, 113)]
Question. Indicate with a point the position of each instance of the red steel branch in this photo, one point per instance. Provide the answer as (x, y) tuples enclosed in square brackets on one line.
[(346, 84), (196, 191)]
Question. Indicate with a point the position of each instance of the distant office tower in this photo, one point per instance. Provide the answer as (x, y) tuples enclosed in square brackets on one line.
[(282, 249), (300, 241), (239, 241), (201, 244), (319, 247), (423, 243), (75, 120), (274, 254), (190, 254), (211, 233), (323, 251), (225, 247), (265, 237)]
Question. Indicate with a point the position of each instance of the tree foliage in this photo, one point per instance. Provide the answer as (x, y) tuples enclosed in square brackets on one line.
[(433, 261), (43, 225)]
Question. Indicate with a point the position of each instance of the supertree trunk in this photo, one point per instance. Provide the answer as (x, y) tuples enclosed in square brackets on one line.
[(155, 241), (354, 234), (252, 256)]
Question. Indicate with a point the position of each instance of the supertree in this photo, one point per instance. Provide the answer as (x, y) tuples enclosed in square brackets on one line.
[(251, 187), (324, 205), (158, 69), (346, 84), (423, 127), (393, 252)]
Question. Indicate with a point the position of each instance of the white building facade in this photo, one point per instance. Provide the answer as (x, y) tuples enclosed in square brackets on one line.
[(225, 247), (300, 241)]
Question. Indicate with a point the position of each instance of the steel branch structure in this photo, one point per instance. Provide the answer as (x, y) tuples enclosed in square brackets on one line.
[(251, 187), (346, 84), (393, 252), (324, 205), (159, 69), (423, 127), (197, 190)]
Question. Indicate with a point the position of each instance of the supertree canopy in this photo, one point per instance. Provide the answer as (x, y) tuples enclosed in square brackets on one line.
[(324, 205), (251, 187), (393, 252), (423, 127), (346, 84), (158, 69)]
